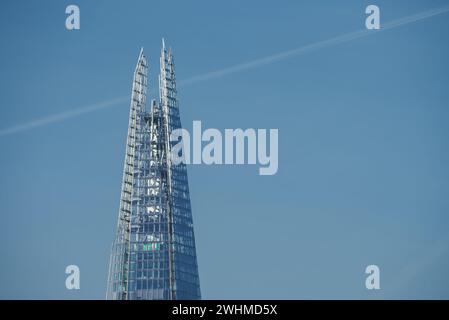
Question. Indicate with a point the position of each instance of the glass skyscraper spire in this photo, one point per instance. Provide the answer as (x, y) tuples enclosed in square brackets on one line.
[(153, 255)]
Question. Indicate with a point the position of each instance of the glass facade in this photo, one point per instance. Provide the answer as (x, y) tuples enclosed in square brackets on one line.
[(153, 255)]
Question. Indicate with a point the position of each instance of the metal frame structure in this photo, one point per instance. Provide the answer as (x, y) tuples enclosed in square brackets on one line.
[(153, 255)]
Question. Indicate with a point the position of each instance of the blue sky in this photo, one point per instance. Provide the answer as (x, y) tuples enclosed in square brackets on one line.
[(363, 145)]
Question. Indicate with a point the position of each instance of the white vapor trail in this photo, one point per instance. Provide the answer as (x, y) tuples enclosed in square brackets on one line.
[(61, 116), (317, 45), (233, 69)]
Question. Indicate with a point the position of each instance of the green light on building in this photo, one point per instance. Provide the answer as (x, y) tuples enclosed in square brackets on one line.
[(151, 246)]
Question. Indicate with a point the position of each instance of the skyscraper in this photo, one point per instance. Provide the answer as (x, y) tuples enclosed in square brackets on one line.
[(153, 255)]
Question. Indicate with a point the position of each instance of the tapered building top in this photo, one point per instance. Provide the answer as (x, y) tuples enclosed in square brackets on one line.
[(141, 61), (153, 255)]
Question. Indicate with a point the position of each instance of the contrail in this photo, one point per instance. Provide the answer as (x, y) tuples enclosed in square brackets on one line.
[(236, 68), (315, 46), (61, 116)]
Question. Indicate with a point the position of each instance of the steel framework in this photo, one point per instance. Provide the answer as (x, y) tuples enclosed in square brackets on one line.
[(153, 255)]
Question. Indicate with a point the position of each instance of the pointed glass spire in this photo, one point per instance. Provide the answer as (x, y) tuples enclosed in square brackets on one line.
[(153, 255)]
